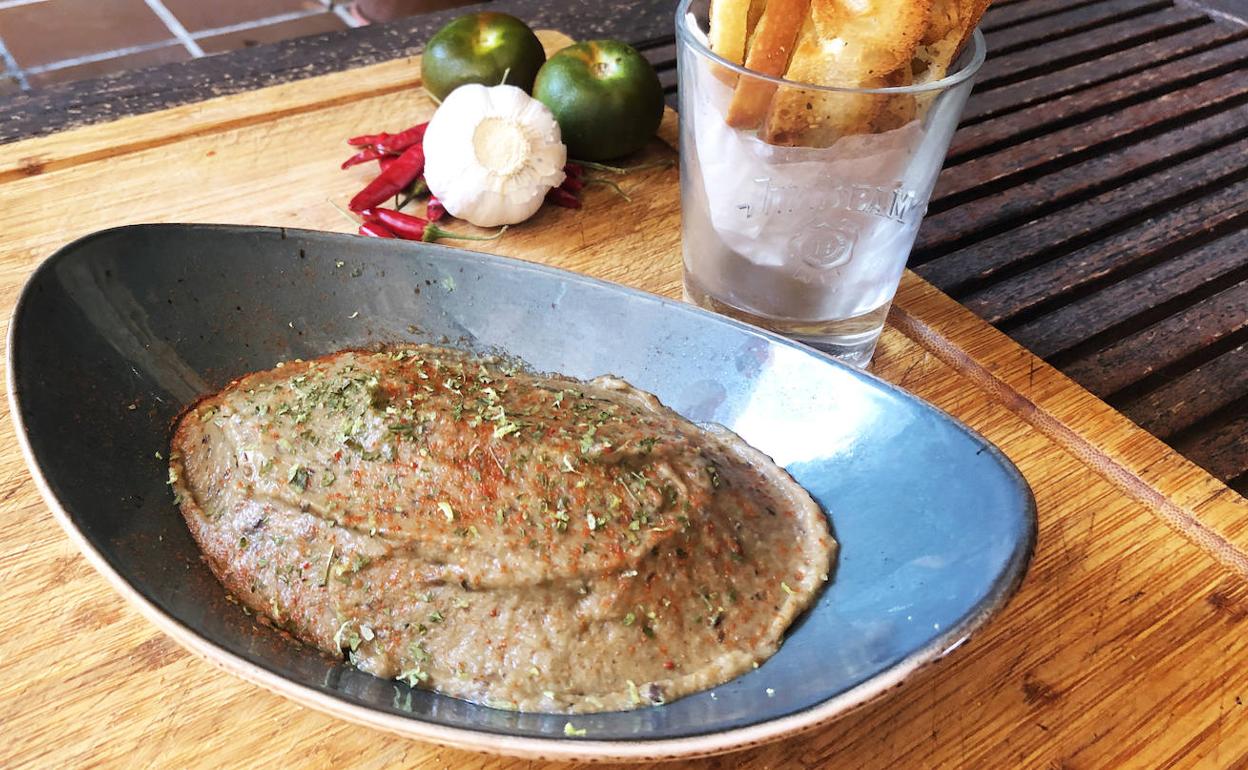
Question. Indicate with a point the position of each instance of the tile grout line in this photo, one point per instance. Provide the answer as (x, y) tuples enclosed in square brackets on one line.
[(266, 21), (182, 36), (101, 56), (343, 11), (175, 26), (16, 3), (11, 68)]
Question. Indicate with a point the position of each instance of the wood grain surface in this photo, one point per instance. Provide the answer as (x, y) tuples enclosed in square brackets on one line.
[(1122, 648), (1090, 123)]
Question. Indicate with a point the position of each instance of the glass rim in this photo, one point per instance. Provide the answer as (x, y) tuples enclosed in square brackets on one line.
[(978, 51)]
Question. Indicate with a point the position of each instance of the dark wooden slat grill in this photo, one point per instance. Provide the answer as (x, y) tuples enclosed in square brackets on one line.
[(1194, 396), (1092, 265), (1082, 17), (1130, 360), (1095, 207), (1011, 14), (1051, 115), (964, 242), (1085, 46), (1174, 281), (1112, 64)]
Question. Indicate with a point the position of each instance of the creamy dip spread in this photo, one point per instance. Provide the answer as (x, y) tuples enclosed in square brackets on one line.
[(525, 541)]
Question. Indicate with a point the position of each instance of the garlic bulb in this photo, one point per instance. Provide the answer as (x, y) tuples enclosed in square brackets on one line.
[(492, 153)]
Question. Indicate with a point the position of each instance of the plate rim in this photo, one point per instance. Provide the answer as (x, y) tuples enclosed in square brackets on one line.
[(527, 747)]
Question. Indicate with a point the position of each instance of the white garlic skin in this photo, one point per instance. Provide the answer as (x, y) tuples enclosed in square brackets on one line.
[(492, 154)]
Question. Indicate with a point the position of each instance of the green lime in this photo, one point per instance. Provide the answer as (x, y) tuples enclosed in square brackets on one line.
[(606, 97), (481, 48)]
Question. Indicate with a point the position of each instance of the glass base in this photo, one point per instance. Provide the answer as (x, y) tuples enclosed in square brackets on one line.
[(849, 340)]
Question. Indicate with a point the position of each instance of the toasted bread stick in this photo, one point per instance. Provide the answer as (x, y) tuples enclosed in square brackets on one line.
[(845, 44), (751, 21), (897, 110), (972, 12), (729, 28), (769, 54), (944, 19), (953, 22)]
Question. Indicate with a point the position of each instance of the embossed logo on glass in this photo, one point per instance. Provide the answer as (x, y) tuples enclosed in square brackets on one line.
[(771, 200), (823, 246)]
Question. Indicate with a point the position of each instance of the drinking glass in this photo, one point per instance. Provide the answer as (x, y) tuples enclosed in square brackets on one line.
[(804, 228)]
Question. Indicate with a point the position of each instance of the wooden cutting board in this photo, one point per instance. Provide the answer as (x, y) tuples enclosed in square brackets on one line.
[(1123, 647)]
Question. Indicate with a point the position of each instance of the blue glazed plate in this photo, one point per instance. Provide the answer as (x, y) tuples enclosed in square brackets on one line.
[(116, 333)]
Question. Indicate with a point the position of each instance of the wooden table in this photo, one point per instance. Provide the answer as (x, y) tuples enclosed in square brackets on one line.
[(1123, 646), (1092, 207)]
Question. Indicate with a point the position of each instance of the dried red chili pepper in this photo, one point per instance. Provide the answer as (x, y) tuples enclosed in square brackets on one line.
[(393, 180), (364, 156), (574, 170), (434, 209), (573, 184), (562, 197), (414, 228), (368, 139), (399, 142), (376, 230)]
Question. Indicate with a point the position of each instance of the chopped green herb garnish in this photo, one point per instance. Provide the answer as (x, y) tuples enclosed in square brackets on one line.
[(573, 732), (413, 675), (505, 429), (713, 472), (329, 560), (587, 440), (418, 652), (347, 636), (297, 477)]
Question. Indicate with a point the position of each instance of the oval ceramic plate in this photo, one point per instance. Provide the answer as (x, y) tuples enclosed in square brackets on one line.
[(119, 331)]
